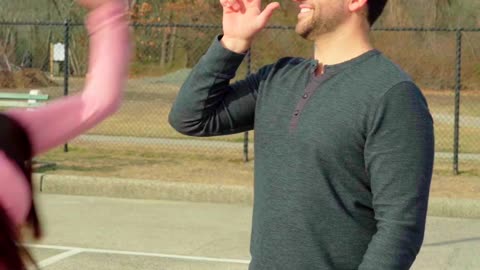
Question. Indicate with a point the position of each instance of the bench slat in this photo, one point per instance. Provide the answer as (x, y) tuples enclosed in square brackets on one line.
[(19, 96), (18, 104)]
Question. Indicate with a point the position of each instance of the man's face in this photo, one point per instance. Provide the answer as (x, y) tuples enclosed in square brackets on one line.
[(318, 17)]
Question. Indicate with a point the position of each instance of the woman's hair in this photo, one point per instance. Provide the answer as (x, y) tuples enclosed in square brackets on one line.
[(15, 144)]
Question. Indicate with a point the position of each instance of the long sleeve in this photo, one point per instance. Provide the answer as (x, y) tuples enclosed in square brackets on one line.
[(109, 55), (399, 158), (208, 105)]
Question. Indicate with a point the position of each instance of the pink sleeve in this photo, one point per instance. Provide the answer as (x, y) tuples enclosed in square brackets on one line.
[(109, 55), (15, 194)]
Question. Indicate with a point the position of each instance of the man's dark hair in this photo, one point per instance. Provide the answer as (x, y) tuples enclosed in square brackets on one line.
[(375, 9)]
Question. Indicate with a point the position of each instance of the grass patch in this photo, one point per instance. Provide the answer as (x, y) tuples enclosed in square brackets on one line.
[(446, 185), (155, 163)]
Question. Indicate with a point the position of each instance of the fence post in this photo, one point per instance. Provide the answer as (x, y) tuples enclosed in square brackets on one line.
[(245, 138), (66, 65), (458, 86)]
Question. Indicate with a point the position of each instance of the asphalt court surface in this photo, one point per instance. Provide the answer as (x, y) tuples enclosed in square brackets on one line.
[(105, 233)]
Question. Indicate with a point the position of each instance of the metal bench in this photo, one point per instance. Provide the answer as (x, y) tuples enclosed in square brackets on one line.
[(19, 100)]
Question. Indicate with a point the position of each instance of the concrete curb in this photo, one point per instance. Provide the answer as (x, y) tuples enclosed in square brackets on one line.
[(141, 189), (160, 190)]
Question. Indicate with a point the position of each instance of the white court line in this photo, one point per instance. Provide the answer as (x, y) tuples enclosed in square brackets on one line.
[(59, 257), (145, 254)]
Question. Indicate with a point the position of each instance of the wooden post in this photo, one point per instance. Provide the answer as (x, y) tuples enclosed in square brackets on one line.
[(51, 60)]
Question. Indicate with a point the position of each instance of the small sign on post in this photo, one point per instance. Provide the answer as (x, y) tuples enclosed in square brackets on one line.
[(57, 54)]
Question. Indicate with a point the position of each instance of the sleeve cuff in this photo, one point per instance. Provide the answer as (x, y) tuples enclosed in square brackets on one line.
[(221, 60)]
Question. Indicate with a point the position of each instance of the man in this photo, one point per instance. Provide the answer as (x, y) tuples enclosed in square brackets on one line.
[(344, 142)]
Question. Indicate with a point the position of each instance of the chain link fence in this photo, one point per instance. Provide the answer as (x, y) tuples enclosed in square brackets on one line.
[(444, 62)]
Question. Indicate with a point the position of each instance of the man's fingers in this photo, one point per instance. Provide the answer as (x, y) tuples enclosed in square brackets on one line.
[(230, 4), (268, 12)]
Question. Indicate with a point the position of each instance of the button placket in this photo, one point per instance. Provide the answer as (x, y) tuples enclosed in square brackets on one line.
[(309, 90)]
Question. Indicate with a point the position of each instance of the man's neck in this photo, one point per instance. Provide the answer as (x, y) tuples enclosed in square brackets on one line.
[(340, 46)]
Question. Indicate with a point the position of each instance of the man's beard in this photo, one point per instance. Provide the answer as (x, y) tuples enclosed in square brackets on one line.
[(316, 25)]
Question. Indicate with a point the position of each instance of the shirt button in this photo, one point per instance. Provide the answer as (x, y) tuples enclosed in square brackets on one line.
[(305, 96), (296, 113)]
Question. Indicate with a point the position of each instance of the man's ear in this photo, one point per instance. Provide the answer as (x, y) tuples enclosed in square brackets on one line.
[(357, 5)]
